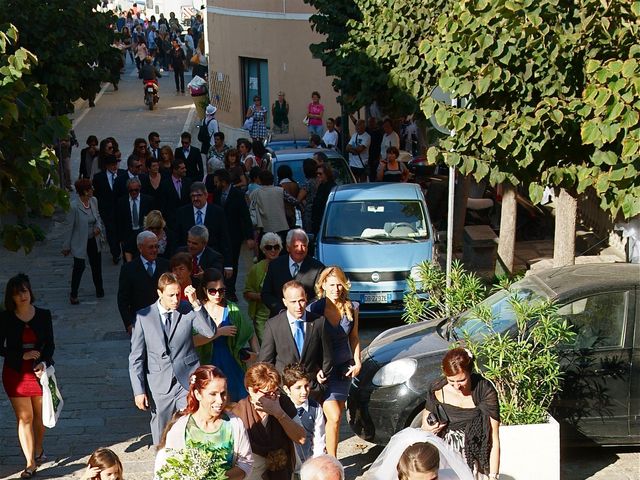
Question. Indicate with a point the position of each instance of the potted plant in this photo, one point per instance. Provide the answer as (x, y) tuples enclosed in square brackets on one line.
[(524, 366), (523, 362)]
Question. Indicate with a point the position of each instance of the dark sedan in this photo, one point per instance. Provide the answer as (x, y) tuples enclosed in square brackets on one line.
[(601, 398)]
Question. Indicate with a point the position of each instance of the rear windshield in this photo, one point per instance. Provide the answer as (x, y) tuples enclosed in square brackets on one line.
[(376, 221), (341, 172)]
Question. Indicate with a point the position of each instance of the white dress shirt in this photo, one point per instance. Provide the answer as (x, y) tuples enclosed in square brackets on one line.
[(291, 264), (294, 327)]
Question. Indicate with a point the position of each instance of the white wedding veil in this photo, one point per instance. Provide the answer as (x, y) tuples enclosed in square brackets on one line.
[(452, 465)]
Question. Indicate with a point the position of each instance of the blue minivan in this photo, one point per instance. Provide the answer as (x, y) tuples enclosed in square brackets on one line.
[(377, 233)]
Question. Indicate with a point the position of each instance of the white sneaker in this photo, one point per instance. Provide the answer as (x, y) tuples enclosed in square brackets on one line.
[(161, 70)]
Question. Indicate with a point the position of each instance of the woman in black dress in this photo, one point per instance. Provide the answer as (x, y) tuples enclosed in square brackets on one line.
[(26, 343), (463, 408)]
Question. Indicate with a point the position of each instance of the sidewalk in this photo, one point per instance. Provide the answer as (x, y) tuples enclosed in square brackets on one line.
[(91, 345)]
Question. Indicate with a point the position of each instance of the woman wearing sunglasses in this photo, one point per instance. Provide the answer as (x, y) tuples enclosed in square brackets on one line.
[(271, 246), (235, 343), (268, 418)]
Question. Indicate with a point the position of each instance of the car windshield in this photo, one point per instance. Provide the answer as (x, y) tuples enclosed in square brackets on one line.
[(501, 311), (375, 221), (341, 172)]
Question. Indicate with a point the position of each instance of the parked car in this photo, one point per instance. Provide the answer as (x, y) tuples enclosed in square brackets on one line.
[(376, 232), (601, 404), (295, 157)]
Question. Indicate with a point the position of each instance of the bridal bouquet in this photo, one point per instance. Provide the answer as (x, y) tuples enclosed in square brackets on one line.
[(194, 463)]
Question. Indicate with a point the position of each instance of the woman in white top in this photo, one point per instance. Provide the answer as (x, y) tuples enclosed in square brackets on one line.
[(206, 424)]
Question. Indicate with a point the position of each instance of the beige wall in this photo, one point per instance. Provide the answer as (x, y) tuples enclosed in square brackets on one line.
[(283, 41)]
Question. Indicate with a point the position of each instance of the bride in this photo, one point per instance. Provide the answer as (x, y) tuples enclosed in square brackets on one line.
[(386, 467)]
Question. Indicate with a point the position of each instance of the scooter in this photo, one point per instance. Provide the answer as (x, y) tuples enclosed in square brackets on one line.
[(151, 93)]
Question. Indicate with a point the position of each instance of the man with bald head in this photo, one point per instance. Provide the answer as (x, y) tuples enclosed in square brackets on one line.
[(322, 467)]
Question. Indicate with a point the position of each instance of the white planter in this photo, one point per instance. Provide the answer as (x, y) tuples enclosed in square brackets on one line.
[(530, 452)]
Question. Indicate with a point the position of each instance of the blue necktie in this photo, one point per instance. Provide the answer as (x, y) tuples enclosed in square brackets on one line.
[(298, 336), (199, 217), (300, 411), (150, 269)]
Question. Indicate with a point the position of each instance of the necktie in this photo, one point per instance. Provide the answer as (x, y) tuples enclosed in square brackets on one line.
[(179, 187), (113, 180), (295, 269), (167, 323), (298, 336), (223, 199), (150, 269), (195, 264), (134, 215), (300, 411), (199, 217)]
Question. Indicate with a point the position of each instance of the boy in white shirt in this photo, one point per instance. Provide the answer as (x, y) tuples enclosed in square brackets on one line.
[(297, 385), (330, 137)]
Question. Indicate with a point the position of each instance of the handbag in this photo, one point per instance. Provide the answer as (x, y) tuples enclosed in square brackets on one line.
[(52, 401), (248, 123), (195, 59)]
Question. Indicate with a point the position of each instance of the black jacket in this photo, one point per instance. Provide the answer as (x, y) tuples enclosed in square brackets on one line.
[(216, 223), (236, 212), (124, 221), (279, 348), (278, 274), (136, 289), (11, 328), (193, 162)]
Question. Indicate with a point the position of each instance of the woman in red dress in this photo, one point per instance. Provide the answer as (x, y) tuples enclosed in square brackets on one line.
[(26, 343)]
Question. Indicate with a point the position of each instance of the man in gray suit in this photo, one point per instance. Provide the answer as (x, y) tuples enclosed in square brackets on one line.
[(162, 352)]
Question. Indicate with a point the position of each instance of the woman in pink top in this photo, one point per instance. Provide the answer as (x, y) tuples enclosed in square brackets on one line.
[(314, 114)]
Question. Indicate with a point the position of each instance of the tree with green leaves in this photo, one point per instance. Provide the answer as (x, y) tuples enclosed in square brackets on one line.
[(552, 91), (27, 163), (72, 42), (358, 80)]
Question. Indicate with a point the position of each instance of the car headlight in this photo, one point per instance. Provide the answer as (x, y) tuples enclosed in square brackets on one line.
[(395, 373), (414, 274)]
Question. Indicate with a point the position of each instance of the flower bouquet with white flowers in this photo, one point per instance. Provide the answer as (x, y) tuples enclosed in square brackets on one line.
[(194, 462)]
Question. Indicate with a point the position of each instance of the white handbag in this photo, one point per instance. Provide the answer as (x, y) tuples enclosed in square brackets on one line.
[(52, 401)]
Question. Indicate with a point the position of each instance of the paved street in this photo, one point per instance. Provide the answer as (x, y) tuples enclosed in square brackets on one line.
[(92, 348)]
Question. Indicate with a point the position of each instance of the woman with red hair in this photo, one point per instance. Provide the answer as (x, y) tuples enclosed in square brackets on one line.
[(463, 408), (206, 423), (269, 419)]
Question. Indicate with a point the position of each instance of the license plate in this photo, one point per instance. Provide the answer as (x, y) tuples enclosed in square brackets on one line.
[(375, 298), (150, 89)]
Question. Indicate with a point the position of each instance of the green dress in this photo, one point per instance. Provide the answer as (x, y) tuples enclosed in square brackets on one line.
[(258, 311), (221, 439)]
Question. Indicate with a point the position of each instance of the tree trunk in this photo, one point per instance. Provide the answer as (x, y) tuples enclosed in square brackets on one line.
[(564, 242), (508, 216), (460, 208)]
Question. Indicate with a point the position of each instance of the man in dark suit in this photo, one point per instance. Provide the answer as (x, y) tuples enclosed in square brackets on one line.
[(236, 212), (191, 156), (103, 190), (174, 192), (295, 266), (134, 167), (131, 210), (203, 256), (296, 336), (138, 281), (163, 356), (212, 217)]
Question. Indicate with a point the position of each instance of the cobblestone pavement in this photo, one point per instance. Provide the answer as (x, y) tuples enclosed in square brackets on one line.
[(92, 348)]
